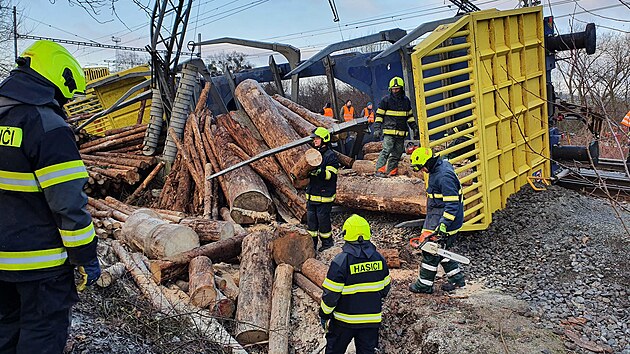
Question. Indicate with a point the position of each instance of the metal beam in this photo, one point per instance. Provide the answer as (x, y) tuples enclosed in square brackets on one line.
[(392, 35), (291, 53)]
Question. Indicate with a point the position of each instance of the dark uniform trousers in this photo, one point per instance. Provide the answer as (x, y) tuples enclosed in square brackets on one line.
[(318, 219), (338, 338), (35, 315)]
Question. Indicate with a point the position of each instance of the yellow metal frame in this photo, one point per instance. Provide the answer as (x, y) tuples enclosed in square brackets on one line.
[(505, 64)]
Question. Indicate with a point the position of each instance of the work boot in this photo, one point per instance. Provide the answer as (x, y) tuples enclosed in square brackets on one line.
[(393, 172), (419, 288), (380, 174), (448, 286), (326, 244), (315, 242)]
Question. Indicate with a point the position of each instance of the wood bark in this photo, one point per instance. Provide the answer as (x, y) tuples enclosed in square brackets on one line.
[(270, 123), (210, 230), (226, 284), (116, 131), (150, 160), (314, 118), (110, 274), (115, 162), (118, 135), (373, 147), (145, 183), (201, 288), (114, 142), (224, 306), (400, 195), (307, 163), (280, 310), (145, 231), (315, 271), (254, 305), (299, 124), (244, 189), (220, 251), (364, 167), (373, 156), (345, 161), (292, 245), (312, 290), (207, 192), (392, 257), (172, 306)]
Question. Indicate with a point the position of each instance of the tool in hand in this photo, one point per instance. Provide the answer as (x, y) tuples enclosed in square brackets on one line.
[(431, 243)]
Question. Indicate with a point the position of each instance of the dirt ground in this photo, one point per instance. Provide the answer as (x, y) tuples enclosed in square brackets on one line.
[(503, 309)]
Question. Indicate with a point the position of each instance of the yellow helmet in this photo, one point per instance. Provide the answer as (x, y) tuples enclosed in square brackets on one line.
[(396, 82), (322, 133), (419, 157), (355, 227), (56, 64)]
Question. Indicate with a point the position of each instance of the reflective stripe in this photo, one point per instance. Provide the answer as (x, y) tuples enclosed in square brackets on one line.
[(445, 260), (410, 120), (366, 287), (429, 267), (453, 272), (396, 113), (18, 181), (325, 234), (365, 318), (331, 169), (435, 195), (380, 111), (451, 198), (427, 230), (333, 286), (317, 198), (327, 309), (312, 233), (378, 120), (60, 173), (394, 132), (426, 282), (29, 260), (448, 216), (74, 238)]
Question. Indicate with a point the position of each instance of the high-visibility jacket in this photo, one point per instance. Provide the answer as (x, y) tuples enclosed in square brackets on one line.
[(369, 114), (44, 225), (355, 286), (445, 201), (626, 120), (322, 184), (328, 112), (394, 114), (347, 113)]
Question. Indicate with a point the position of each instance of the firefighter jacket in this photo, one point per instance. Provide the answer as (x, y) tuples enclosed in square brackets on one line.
[(323, 180), (445, 202), (394, 114), (355, 286), (45, 226)]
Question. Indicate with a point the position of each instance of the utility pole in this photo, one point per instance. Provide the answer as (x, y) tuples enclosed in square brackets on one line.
[(116, 40), (15, 34)]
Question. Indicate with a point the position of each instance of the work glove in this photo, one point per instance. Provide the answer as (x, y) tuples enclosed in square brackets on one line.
[(90, 273), (378, 132), (325, 323), (440, 231)]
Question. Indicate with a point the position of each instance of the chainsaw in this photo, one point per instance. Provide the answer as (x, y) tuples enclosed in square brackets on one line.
[(431, 244)]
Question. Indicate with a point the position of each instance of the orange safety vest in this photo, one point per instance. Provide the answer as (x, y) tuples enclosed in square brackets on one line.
[(626, 120), (369, 113), (348, 114), (328, 112)]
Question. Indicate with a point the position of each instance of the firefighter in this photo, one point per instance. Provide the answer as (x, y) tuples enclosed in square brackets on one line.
[(445, 216), (393, 116), (46, 230), (320, 192), (347, 111), (355, 287)]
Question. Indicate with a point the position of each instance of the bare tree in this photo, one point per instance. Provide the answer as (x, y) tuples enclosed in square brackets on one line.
[(7, 55), (127, 60), (234, 60)]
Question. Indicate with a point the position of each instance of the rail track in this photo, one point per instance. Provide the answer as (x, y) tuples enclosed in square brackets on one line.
[(610, 174)]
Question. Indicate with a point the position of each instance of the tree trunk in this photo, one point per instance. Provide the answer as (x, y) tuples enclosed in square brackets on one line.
[(224, 307), (400, 195), (372, 156), (270, 123), (392, 257), (254, 305), (314, 118), (219, 251), (373, 147), (244, 189), (345, 161), (226, 284), (145, 231), (312, 290), (210, 230), (315, 271), (364, 167), (110, 274), (301, 126), (292, 245), (307, 163), (201, 288), (280, 310)]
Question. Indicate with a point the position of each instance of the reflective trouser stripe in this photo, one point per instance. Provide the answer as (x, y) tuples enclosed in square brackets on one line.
[(75, 238), (395, 132), (366, 287), (357, 319), (429, 267), (29, 260), (312, 233), (325, 234), (320, 199), (378, 120), (426, 282), (325, 308), (60, 173), (19, 181), (453, 272)]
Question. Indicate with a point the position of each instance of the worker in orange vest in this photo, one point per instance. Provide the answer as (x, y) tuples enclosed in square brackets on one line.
[(626, 122), (368, 112), (327, 111), (347, 112)]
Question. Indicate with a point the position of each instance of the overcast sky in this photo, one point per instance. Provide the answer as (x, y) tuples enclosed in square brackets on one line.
[(306, 24)]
